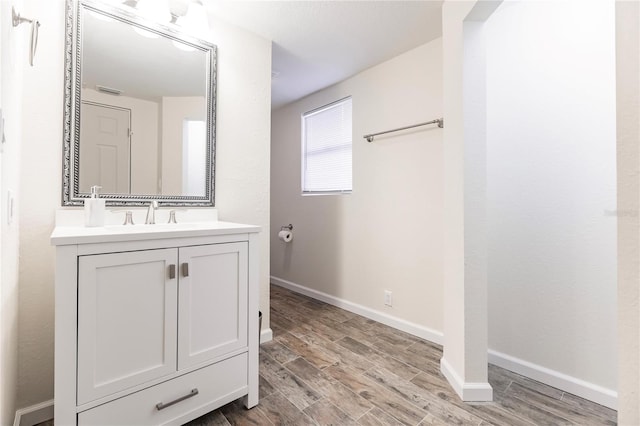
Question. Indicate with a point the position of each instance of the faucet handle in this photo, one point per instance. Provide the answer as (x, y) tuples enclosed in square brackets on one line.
[(172, 217), (128, 218)]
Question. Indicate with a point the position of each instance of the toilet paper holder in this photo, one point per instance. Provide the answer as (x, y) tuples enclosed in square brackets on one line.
[(289, 227)]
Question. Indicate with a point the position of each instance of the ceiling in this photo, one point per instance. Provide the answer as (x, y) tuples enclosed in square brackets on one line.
[(138, 66), (319, 43)]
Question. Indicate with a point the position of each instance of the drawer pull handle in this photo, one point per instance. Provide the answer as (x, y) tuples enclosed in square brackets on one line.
[(185, 269), (162, 406), (172, 271)]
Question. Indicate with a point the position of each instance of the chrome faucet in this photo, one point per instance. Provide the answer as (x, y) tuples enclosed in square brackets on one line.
[(151, 213)]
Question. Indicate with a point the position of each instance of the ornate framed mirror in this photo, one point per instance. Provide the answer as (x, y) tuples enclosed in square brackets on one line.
[(139, 110)]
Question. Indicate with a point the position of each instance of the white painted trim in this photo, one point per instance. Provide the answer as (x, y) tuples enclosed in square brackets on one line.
[(452, 377), (38, 413), (266, 335), (395, 322), (469, 391), (579, 387)]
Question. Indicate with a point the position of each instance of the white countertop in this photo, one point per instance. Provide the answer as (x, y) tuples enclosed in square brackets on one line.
[(67, 235)]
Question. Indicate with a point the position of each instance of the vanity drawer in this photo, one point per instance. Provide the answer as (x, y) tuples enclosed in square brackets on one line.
[(216, 385)]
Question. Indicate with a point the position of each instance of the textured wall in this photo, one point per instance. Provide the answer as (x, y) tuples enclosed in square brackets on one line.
[(12, 61), (242, 173), (464, 303), (628, 132), (551, 171), (243, 137), (40, 174), (387, 234)]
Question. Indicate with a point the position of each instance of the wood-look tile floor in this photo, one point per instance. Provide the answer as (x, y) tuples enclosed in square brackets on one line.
[(327, 366)]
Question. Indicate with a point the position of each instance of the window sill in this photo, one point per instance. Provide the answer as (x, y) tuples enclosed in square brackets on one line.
[(314, 193)]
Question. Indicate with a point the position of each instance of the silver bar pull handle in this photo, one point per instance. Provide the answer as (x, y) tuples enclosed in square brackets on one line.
[(162, 406), (172, 271), (185, 269)]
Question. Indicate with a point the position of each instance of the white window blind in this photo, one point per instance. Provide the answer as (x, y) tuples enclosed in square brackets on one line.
[(326, 148)]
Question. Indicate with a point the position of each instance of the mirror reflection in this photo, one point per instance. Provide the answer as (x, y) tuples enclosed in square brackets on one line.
[(145, 109)]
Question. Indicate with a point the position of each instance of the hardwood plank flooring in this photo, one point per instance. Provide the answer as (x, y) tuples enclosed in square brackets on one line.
[(327, 366)]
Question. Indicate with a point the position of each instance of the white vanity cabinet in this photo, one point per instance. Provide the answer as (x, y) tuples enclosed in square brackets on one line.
[(154, 326)]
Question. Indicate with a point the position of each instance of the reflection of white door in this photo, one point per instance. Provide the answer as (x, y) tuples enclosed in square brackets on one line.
[(105, 155)]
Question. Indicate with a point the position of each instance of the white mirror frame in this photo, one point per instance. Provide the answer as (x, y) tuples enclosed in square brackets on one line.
[(71, 125)]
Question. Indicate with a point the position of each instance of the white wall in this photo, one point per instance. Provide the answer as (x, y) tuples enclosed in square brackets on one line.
[(243, 135), (12, 62), (464, 362), (40, 186), (551, 171), (387, 234), (174, 111), (144, 140), (244, 67), (628, 132)]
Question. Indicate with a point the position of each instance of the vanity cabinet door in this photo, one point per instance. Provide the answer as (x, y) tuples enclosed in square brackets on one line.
[(212, 302), (127, 320)]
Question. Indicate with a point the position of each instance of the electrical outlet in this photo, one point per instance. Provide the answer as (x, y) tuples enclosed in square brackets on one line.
[(387, 298)]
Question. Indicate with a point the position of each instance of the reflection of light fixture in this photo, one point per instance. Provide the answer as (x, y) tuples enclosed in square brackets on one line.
[(195, 20), (144, 32), (154, 10), (183, 46), (100, 16)]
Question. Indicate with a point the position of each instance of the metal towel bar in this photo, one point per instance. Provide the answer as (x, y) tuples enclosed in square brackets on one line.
[(439, 121), (16, 20)]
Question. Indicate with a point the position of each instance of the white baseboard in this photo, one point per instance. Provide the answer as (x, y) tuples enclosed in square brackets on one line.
[(266, 335), (467, 391), (590, 391), (34, 414), (406, 326)]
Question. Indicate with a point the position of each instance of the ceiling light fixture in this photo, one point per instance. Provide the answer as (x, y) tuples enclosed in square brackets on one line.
[(196, 20), (154, 10)]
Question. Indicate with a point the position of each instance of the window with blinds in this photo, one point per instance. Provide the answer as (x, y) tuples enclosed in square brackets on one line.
[(326, 149)]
